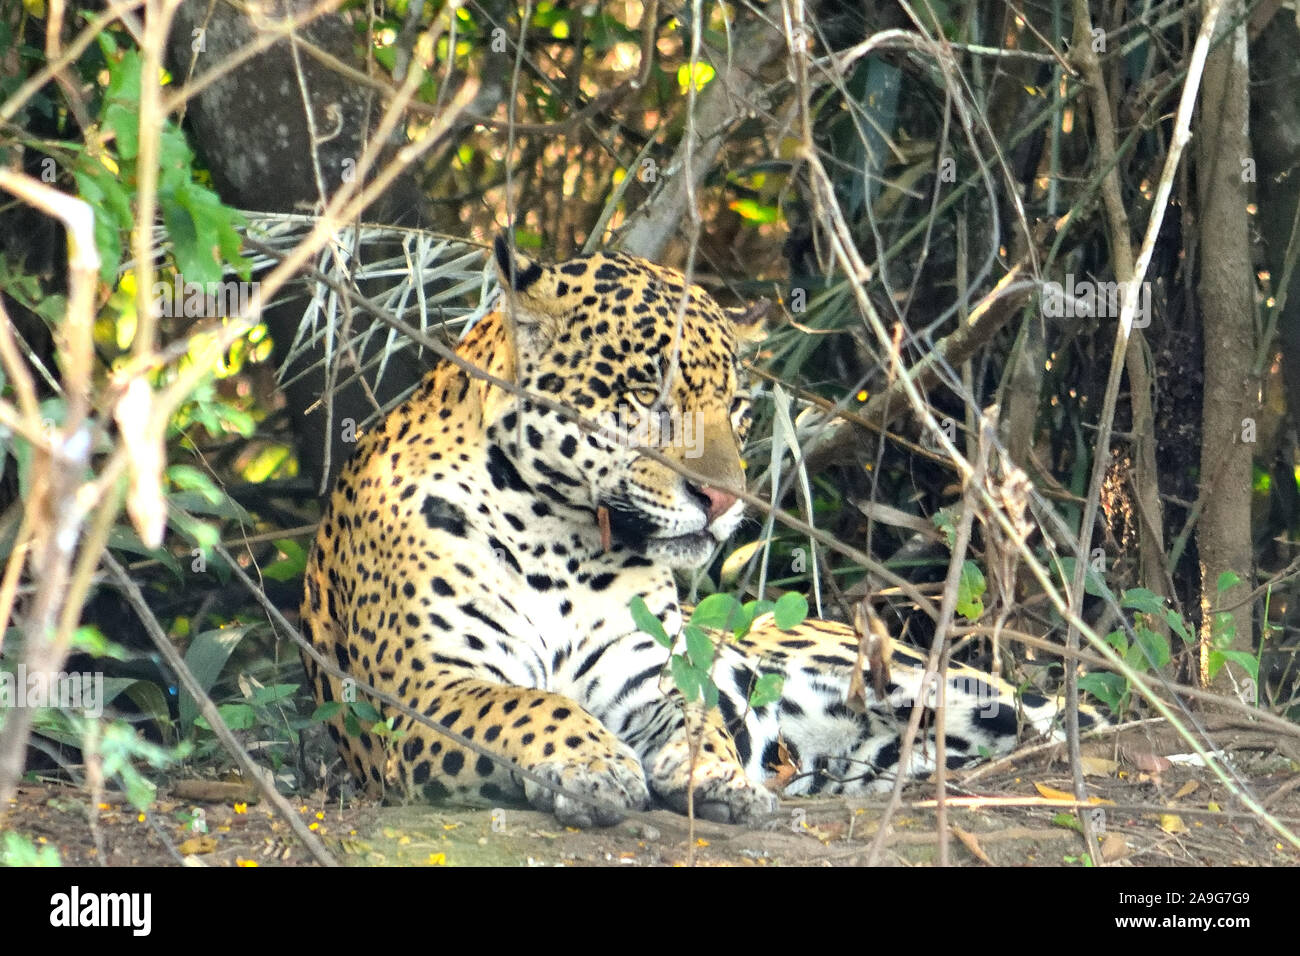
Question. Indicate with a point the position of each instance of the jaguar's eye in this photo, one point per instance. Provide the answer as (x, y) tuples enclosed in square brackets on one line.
[(645, 397)]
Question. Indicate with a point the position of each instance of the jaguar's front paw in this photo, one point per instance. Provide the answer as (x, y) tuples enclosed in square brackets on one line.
[(617, 783), (723, 793)]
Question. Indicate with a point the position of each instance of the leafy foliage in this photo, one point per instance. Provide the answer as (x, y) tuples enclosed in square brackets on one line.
[(691, 667)]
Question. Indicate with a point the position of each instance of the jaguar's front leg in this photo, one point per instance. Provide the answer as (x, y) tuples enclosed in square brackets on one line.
[(681, 746), (684, 747), (546, 733)]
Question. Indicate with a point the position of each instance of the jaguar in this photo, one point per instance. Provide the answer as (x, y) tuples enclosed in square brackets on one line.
[(481, 552)]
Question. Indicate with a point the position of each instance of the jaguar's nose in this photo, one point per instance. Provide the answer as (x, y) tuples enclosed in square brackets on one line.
[(719, 500)]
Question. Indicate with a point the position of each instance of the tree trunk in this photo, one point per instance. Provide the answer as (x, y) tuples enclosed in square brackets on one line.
[(1227, 309), (251, 129)]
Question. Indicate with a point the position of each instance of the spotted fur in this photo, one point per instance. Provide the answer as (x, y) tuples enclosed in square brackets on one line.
[(463, 566)]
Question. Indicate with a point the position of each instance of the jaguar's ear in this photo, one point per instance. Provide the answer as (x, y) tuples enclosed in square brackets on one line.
[(516, 272), (750, 323), (531, 304)]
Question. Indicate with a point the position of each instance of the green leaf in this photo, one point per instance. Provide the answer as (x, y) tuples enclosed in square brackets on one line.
[(1242, 659), (197, 502), (189, 478), (192, 226), (685, 677), (326, 710), (151, 701), (1223, 630), (205, 657), (18, 850), (647, 622), (56, 725), (1179, 626), (100, 188), (1228, 580), (122, 99), (755, 211), (1136, 658), (1067, 820), (122, 537), (946, 523), (272, 693), (744, 618), (717, 611), (364, 710), (699, 646), (1107, 688), (1154, 646), (124, 122), (1143, 600), (266, 463), (200, 535), (767, 690), (291, 566), (710, 692), (235, 716), (970, 590), (90, 640), (790, 610)]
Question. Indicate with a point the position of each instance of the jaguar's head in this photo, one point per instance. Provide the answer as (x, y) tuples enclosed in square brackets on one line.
[(654, 366)]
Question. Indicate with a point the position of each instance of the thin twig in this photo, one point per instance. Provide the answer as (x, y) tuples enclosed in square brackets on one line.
[(1083, 51)]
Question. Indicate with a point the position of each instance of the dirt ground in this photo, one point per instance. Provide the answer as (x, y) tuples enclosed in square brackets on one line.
[(1005, 815)]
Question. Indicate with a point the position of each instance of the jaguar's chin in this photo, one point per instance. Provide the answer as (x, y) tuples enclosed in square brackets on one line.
[(684, 551), (642, 534)]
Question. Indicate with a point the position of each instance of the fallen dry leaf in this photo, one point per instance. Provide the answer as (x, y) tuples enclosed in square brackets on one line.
[(1172, 823), (785, 769), (969, 841), (1145, 760), (1051, 793), (1098, 766), (197, 845), (1113, 847), (874, 649), (1186, 789)]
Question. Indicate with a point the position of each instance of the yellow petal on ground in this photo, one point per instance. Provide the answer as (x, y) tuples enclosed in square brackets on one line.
[(1172, 823), (197, 845), (1188, 788), (1051, 793)]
